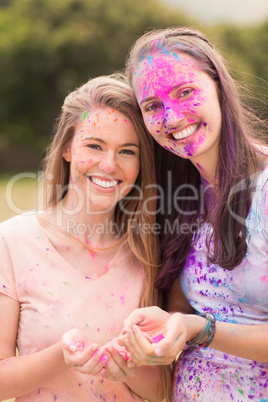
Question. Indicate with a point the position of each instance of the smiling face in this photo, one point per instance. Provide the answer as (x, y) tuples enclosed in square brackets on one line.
[(180, 105), (104, 160)]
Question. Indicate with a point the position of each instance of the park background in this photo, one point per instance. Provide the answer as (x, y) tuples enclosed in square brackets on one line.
[(50, 47)]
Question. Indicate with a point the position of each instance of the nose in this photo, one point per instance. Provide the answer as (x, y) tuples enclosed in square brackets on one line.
[(108, 162), (173, 117)]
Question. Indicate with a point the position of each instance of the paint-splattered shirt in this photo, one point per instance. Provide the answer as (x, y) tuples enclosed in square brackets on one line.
[(54, 298), (237, 296)]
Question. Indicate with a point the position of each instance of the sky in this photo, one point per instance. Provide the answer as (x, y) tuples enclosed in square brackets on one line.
[(237, 12)]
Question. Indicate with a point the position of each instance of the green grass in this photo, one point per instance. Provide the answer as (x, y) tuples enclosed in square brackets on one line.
[(18, 194)]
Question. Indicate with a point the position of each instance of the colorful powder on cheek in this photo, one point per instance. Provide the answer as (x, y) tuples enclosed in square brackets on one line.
[(191, 148)]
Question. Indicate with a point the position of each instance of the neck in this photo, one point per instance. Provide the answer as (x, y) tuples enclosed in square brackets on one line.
[(207, 167), (94, 229)]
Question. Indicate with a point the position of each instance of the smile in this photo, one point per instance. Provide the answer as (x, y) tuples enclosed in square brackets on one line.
[(186, 132), (104, 183)]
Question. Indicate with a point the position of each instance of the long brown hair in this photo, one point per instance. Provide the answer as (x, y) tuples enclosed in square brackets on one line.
[(237, 159)]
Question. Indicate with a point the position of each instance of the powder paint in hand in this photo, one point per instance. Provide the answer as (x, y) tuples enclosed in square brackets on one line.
[(77, 346), (158, 338), (103, 359)]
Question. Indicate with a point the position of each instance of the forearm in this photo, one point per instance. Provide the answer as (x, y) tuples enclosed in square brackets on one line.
[(148, 383), (247, 341), (24, 374)]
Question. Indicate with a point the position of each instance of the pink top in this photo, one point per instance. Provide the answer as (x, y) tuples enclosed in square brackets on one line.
[(54, 298)]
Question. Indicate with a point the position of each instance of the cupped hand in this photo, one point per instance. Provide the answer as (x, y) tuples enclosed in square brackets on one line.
[(81, 354), (116, 368), (151, 321), (153, 336)]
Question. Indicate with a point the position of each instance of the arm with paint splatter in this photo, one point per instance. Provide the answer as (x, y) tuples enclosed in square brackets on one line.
[(20, 375), (246, 341)]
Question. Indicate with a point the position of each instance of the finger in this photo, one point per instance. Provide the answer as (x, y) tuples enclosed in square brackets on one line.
[(79, 359), (101, 373), (139, 347), (76, 336), (122, 338), (94, 363), (76, 346), (117, 366), (119, 356), (136, 317), (148, 357), (122, 362)]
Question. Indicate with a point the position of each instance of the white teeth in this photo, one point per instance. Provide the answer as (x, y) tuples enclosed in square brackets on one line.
[(186, 132), (103, 183)]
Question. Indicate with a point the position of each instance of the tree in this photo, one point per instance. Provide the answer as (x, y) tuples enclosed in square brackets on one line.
[(49, 47)]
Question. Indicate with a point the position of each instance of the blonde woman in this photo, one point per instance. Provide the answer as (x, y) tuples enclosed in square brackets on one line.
[(72, 273)]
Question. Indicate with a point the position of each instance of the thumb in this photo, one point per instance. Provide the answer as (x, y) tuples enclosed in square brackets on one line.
[(135, 318)]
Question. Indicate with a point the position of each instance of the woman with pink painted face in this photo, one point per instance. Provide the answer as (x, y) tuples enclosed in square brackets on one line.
[(212, 176), (71, 274)]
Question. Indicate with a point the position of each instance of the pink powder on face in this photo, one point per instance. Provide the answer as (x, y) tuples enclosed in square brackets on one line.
[(158, 338)]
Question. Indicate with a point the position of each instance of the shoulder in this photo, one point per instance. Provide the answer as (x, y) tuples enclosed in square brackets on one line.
[(262, 178), (257, 218), (18, 225)]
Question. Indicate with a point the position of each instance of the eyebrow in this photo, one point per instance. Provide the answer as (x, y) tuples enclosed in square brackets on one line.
[(150, 98), (126, 144)]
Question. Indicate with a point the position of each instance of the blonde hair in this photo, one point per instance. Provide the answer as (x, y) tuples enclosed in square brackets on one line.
[(113, 91)]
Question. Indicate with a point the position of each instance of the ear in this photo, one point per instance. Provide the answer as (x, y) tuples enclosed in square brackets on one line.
[(67, 153)]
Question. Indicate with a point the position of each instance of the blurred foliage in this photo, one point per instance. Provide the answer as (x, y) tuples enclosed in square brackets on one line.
[(49, 47), (246, 49)]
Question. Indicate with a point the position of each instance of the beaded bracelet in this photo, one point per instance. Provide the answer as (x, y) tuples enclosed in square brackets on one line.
[(205, 337)]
